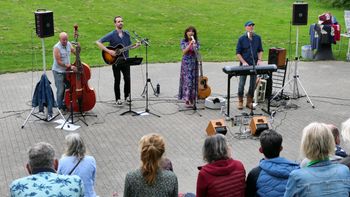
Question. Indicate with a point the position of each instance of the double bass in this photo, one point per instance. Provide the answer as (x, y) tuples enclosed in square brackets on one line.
[(79, 92)]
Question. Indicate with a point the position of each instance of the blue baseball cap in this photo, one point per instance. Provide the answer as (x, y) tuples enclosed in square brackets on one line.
[(248, 23)]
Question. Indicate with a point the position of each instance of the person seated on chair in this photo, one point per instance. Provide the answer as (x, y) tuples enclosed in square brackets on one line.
[(320, 177), (222, 175), (270, 177), (150, 179), (43, 179)]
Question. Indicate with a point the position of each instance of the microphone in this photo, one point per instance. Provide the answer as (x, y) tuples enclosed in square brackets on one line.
[(250, 35), (193, 39)]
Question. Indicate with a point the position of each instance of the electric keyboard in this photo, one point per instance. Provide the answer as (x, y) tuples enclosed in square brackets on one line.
[(244, 70), (248, 70)]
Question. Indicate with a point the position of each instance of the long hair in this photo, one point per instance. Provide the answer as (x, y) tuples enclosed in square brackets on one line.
[(215, 148), (190, 28), (152, 148), (75, 146), (317, 141)]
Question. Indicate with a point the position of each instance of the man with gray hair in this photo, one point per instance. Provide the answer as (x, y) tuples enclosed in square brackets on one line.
[(43, 179)]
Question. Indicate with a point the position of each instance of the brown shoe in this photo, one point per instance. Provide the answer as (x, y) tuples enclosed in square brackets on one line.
[(240, 103), (249, 102)]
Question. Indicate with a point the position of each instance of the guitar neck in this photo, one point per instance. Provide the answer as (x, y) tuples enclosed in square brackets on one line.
[(126, 48)]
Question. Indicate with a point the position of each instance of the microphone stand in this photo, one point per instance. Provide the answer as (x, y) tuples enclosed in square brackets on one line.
[(148, 80), (253, 72)]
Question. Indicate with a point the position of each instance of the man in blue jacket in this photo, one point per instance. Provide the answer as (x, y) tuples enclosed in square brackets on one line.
[(270, 177)]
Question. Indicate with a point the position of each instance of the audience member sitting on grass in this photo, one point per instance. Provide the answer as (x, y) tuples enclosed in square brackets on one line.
[(321, 177), (338, 150), (345, 132), (222, 176), (150, 179), (270, 177), (43, 179), (74, 161)]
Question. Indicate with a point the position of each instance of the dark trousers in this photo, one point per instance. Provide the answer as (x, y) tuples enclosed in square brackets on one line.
[(125, 69)]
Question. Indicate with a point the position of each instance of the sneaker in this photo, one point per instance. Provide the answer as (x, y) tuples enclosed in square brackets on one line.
[(49, 117), (119, 102)]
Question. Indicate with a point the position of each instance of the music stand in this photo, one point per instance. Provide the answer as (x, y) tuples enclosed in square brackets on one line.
[(129, 62)]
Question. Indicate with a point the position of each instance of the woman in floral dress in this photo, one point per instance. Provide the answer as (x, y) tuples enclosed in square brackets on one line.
[(188, 87)]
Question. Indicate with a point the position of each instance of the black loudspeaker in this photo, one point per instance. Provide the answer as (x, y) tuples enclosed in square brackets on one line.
[(44, 23), (300, 13)]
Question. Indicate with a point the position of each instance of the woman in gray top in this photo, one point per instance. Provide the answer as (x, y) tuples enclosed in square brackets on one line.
[(150, 179)]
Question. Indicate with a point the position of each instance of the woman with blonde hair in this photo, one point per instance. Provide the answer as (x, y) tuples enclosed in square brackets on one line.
[(320, 177), (75, 161), (150, 179)]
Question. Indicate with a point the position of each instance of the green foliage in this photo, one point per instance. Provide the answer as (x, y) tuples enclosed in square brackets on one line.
[(219, 24), (339, 3)]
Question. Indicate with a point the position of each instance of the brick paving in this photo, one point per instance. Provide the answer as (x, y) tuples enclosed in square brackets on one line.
[(113, 139)]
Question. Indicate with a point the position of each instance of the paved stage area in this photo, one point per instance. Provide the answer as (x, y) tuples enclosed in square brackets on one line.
[(113, 139)]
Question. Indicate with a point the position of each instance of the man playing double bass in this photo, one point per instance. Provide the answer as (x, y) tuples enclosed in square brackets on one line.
[(61, 61), (114, 38)]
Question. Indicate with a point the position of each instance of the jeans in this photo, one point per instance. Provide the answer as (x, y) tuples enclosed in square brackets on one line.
[(60, 86), (242, 80), (125, 69)]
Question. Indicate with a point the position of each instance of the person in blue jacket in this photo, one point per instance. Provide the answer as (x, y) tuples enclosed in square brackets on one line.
[(270, 177)]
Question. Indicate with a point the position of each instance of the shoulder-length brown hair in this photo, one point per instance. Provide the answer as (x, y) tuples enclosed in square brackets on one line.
[(152, 148), (190, 28)]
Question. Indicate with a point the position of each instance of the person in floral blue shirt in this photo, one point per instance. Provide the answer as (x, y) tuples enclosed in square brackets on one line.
[(43, 179)]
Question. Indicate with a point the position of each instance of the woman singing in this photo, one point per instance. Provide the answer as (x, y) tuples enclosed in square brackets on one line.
[(189, 67)]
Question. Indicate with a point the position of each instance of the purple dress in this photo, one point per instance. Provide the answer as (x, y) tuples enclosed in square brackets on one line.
[(188, 87)]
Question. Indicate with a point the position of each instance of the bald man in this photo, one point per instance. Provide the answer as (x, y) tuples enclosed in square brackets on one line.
[(61, 62)]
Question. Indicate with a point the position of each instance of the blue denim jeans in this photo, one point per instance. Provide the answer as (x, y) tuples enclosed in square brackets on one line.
[(242, 80), (60, 86)]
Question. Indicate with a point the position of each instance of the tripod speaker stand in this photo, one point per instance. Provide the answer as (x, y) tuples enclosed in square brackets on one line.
[(295, 80)]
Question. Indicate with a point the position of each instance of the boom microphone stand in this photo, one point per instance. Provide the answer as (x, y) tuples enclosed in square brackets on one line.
[(148, 80)]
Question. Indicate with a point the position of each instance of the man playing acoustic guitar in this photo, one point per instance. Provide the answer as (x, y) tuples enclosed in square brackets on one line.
[(118, 37)]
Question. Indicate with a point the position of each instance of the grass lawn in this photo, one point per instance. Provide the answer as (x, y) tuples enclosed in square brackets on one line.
[(219, 24)]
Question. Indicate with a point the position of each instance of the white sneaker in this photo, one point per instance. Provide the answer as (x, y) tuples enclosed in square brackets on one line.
[(127, 100), (119, 102)]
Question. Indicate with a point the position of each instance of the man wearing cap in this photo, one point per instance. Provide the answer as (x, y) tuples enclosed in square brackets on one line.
[(249, 51)]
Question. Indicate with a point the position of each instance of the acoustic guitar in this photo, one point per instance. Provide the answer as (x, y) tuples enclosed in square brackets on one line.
[(119, 50), (203, 87)]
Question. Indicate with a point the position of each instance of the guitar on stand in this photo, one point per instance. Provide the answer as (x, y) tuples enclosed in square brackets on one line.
[(204, 89)]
